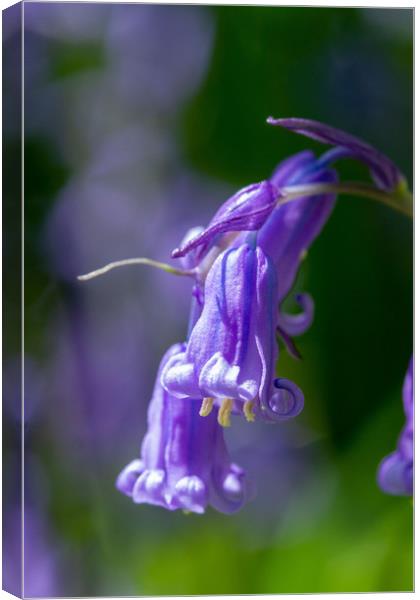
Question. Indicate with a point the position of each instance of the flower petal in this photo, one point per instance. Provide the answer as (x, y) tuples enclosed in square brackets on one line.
[(395, 475), (247, 210), (231, 348), (384, 172), (149, 488), (286, 402), (184, 460), (179, 377), (190, 494), (128, 476), (291, 170), (408, 391), (292, 227), (189, 262), (219, 379), (298, 324)]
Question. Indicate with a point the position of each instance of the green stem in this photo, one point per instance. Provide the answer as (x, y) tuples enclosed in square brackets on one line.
[(400, 200)]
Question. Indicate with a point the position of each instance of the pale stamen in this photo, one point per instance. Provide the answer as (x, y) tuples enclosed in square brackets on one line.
[(206, 407), (223, 416), (249, 411)]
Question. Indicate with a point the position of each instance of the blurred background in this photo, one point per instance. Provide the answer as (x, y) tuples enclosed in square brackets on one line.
[(139, 121)]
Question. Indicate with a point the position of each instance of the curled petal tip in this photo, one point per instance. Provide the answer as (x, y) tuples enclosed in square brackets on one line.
[(190, 494), (149, 487), (127, 478), (287, 401), (294, 325)]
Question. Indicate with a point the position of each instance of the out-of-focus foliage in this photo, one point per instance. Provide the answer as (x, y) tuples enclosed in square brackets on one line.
[(140, 120)]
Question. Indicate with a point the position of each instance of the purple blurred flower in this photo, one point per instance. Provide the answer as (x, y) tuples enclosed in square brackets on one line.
[(395, 474), (184, 462), (231, 353), (158, 54), (79, 210), (42, 568), (75, 23), (12, 388), (384, 172), (97, 372)]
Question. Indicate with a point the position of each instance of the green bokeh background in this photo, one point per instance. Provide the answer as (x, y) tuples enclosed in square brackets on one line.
[(351, 68)]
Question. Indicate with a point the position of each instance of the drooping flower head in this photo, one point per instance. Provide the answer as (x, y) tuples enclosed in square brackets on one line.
[(230, 356), (284, 231), (184, 463), (244, 264), (395, 473)]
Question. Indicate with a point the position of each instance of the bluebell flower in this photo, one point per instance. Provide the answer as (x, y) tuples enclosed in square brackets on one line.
[(230, 356), (184, 462), (395, 473), (284, 231), (244, 264)]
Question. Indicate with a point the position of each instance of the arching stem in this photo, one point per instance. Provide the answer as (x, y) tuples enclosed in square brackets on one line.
[(400, 200)]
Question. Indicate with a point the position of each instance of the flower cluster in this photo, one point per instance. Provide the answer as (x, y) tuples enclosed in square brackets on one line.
[(243, 266)]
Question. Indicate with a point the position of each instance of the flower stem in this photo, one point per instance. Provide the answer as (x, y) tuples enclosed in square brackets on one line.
[(134, 261), (400, 199)]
